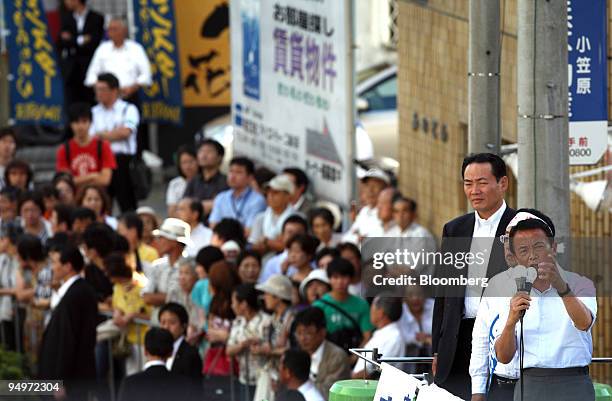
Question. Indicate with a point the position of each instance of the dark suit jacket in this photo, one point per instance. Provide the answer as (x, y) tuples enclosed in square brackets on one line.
[(157, 384), (74, 57), (187, 361), (335, 365), (68, 343), (448, 310)]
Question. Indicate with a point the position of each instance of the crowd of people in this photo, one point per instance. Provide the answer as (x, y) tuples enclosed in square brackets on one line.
[(244, 274)]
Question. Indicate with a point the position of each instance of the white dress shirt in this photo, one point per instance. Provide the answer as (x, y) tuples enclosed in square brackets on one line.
[(366, 221), (551, 338), (410, 326), (121, 113), (482, 241), (273, 267), (268, 224), (315, 361), (175, 347), (490, 321), (389, 342), (310, 392), (414, 230), (55, 300), (199, 238), (381, 231), (153, 363), (129, 63), (80, 23)]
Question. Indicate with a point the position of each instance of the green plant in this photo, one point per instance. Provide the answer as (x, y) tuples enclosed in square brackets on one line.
[(12, 365)]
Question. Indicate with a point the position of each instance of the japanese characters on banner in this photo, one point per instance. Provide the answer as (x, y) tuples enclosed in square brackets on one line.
[(395, 384), (162, 101), (587, 80), (204, 50), (36, 89), (290, 79)]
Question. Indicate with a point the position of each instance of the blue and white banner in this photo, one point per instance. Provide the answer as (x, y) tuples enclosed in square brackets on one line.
[(36, 88), (156, 31), (587, 80)]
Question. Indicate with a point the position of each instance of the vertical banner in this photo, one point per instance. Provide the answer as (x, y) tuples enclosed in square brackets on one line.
[(291, 85), (204, 49), (36, 89), (587, 80), (156, 31)]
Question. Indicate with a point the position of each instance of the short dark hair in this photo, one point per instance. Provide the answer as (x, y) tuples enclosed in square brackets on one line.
[(248, 294), (120, 244), (340, 267), (109, 79), (295, 219), (79, 111), (245, 162), (132, 220), (209, 255), (311, 316), (62, 176), (545, 225), (49, 191), (71, 254), (64, 214), (183, 149), (297, 362), (196, 206), (159, 342), (307, 242), (248, 254), (215, 144), (10, 193), (349, 246), (289, 395), (8, 131), (17, 164), (57, 243), (83, 213), (230, 229), (333, 252), (31, 196), (30, 247), (323, 213), (177, 309), (301, 179), (100, 237), (412, 205), (498, 167), (263, 175), (12, 230), (115, 266), (391, 306)]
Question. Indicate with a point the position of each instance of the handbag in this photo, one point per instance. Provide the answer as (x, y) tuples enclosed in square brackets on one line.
[(121, 348), (107, 330), (218, 363), (346, 338), (141, 176)]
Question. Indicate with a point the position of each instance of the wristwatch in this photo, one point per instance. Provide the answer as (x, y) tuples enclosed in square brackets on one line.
[(567, 291)]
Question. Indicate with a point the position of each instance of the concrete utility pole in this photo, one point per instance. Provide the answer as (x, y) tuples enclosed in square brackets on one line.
[(543, 161), (483, 77)]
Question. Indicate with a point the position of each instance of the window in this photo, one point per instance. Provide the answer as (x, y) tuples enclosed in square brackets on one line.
[(382, 96)]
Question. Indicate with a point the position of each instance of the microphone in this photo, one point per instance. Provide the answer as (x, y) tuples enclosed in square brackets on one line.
[(524, 278)]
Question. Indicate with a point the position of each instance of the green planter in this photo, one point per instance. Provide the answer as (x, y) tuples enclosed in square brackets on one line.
[(353, 390), (603, 392)]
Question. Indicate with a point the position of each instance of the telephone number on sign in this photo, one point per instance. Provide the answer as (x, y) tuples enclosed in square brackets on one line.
[(34, 387)]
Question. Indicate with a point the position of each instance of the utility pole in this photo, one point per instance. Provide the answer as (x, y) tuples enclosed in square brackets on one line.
[(4, 70), (543, 160), (483, 77)]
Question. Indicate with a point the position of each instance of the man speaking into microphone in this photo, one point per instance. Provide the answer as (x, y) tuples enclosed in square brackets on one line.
[(559, 313)]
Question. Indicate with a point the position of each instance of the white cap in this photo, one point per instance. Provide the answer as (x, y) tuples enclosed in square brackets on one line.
[(378, 174), (279, 286), (175, 230), (316, 274), (281, 182)]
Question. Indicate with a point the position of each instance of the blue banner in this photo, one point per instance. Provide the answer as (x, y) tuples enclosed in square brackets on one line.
[(587, 58), (156, 31), (36, 89)]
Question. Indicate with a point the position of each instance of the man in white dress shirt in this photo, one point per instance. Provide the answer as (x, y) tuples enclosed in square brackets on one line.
[(559, 313), (117, 121), (385, 313), (122, 57), (294, 374), (191, 211)]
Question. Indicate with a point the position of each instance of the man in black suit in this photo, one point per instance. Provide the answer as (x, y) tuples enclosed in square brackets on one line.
[(156, 382), (485, 183), (67, 350), (81, 32)]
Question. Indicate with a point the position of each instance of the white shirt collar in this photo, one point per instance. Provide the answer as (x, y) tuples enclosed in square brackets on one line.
[(297, 205), (153, 363), (64, 287), (175, 347), (315, 360), (495, 217)]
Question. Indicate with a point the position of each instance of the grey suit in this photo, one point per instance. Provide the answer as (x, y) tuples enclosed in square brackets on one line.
[(335, 365)]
